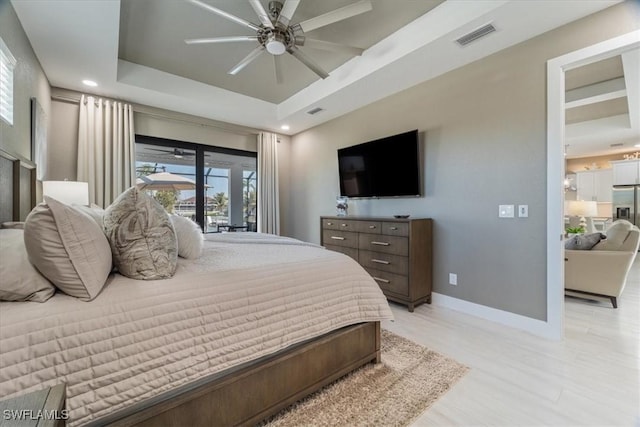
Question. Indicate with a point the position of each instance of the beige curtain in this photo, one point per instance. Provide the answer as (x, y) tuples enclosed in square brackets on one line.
[(268, 200), (106, 153)]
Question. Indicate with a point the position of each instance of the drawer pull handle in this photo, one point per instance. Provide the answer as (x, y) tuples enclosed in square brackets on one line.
[(380, 280), (344, 225), (337, 238), (379, 261), (390, 228), (372, 227), (329, 223), (381, 243)]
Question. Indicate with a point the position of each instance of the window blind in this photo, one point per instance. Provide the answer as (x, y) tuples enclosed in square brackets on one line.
[(7, 63)]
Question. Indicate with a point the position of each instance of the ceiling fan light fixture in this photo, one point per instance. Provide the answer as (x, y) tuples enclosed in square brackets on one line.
[(276, 44)]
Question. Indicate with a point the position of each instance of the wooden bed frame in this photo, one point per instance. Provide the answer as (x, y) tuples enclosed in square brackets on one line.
[(17, 187), (242, 396)]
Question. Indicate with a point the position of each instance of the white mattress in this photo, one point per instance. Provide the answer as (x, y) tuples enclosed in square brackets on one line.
[(250, 295)]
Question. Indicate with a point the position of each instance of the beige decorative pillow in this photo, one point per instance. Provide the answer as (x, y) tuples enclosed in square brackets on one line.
[(95, 212), (141, 235), (68, 248), (616, 235), (19, 280), (189, 235)]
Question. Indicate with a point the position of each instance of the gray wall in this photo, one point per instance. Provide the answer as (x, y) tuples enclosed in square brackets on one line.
[(29, 81), (484, 134)]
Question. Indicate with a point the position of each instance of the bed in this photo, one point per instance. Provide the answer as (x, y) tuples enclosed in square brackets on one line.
[(253, 325)]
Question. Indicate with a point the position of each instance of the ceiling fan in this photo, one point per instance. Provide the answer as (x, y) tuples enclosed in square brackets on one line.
[(277, 35), (176, 152)]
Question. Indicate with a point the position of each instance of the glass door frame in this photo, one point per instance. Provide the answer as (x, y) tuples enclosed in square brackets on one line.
[(200, 150)]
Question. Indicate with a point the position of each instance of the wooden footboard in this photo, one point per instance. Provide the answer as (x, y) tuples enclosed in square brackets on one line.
[(253, 393)]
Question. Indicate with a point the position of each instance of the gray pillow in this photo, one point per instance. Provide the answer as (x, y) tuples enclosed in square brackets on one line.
[(584, 242), (142, 238), (20, 279), (68, 248)]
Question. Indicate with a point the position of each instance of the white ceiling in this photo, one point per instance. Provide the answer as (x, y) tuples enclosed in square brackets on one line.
[(76, 40), (603, 107), (148, 31)]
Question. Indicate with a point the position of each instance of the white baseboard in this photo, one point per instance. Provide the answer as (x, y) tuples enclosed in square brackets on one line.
[(517, 321)]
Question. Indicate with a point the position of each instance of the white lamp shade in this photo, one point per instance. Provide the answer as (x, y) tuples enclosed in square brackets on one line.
[(69, 192), (582, 208)]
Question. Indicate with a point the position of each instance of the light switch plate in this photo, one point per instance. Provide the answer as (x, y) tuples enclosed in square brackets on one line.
[(506, 211), (523, 211)]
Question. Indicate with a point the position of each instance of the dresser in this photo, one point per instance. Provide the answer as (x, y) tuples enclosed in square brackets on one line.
[(397, 253)]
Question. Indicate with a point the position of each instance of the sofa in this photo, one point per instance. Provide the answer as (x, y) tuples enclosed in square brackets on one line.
[(602, 270)]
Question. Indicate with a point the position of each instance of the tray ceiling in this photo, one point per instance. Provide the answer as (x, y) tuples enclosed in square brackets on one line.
[(152, 33), (134, 49)]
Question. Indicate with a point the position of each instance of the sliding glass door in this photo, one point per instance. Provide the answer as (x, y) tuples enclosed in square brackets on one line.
[(216, 187)]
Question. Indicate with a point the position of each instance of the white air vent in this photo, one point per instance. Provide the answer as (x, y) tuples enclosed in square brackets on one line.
[(315, 111), (476, 34), (619, 144)]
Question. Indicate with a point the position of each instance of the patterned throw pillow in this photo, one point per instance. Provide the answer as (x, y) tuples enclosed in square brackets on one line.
[(142, 238)]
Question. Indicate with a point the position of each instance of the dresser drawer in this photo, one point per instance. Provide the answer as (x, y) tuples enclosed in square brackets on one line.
[(386, 262), (373, 227), (395, 228), (340, 238), (387, 244), (352, 252), (390, 282), (339, 224)]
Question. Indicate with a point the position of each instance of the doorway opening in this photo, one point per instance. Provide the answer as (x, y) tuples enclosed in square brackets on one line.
[(556, 69)]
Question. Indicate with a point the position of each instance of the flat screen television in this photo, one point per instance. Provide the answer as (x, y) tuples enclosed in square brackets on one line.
[(386, 167)]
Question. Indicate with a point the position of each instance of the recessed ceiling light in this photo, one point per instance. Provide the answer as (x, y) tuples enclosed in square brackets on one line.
[(284, 127), (89, 83), (637, 145)]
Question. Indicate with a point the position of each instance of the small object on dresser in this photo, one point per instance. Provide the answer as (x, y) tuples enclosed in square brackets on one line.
[(401, 216), (342, 206)]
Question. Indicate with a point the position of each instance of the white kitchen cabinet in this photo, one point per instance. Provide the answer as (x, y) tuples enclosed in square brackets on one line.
[(595, 185), (626, 172)]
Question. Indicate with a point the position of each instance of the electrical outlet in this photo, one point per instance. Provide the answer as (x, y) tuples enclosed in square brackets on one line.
[(453, 279)]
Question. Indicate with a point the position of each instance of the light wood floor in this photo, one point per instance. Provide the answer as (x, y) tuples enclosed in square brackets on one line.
[(591, 378)]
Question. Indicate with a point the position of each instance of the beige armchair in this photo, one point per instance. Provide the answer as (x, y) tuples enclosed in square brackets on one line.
[(602, 271)]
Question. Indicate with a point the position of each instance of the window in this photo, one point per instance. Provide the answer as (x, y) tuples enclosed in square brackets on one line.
[(7, 63), (217, 188)]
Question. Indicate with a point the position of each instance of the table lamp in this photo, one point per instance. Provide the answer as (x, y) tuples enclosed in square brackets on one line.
[(582, 209), (69, 192)]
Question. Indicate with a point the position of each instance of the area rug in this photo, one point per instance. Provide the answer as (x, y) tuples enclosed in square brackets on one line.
[(392, 393)]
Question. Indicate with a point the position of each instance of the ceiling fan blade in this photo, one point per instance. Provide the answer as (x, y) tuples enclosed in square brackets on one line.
[(224, 14), (247, 60), (278, 63), (222, 39), (288, 9), (262, 13), (354, 9), (333, 47), (308, 62)]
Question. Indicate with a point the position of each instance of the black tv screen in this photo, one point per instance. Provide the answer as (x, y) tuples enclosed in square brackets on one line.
[(386, 167)]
